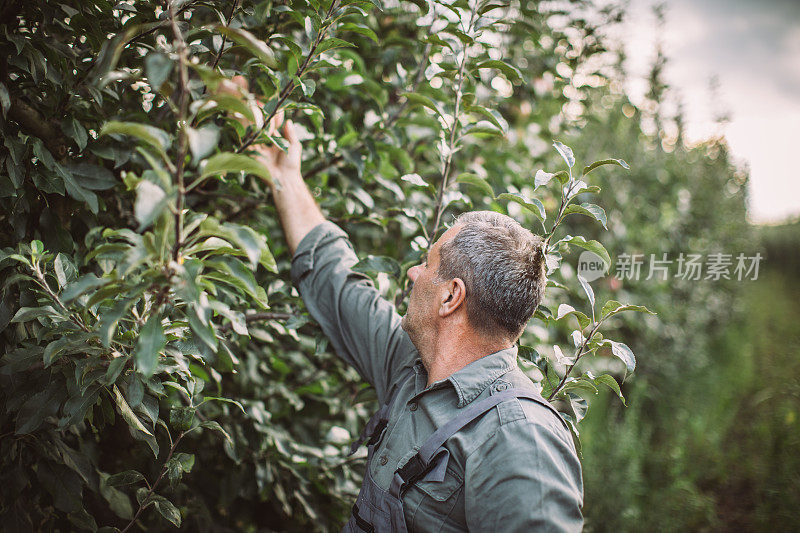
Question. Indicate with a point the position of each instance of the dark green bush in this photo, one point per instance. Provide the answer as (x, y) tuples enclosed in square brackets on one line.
[(158, 366)]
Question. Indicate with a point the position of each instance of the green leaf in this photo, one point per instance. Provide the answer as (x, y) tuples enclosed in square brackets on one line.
[(92, 177), (421, 99), (359, 28), (82, 520), (74, 129), (577, 406), (128, 414), (233, 272), (491, 115), (35, 409), (117, 500), (371, 264), (181, 418), (151, 200), (414, 179), (148, 347), (267, 260), (26, 314), (76, 406), (330, 44), (236, 103), (566, 309), (127, 477), (114, 369), (592, 246), (54, 349), (531, 204), (609, 380), (157, 138), (222, 163), (250, 42), (243, 237), (76, 190), (65, 270), (109, 319), (62, 483), (562, 176), (587, 289), (214, 426), (488, 7), (164, 179), (202, 141), (202, 328), (590, 210), (82, 285), (167, 509), (566, 153), (5, 99), (511, 72), (179, 464), (618, 162), (612, 307), (542, 178), (580, 384), (223, 400), (157, 67), (624, 353), (477, 181)]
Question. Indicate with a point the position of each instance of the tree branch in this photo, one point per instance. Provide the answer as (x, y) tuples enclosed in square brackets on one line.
[(258, 317), (155, 484), (33, 123)]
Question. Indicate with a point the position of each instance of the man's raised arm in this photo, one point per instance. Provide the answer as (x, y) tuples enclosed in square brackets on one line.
[(298, 211), (362, 326)]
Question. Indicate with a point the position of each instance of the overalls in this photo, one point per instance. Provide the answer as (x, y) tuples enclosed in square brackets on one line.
[(378, 510)]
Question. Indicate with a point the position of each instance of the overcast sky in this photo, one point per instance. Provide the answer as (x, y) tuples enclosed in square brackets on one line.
[(753, 48)]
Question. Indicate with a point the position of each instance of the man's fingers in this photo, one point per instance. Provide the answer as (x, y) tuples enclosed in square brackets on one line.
[(275, 122), (289, 132), (241, 81)]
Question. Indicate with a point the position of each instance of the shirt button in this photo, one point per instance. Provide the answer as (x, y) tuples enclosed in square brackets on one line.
[(384, 460), (413, 406), (501, 387)]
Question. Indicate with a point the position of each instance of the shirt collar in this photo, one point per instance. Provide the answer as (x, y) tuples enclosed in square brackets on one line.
[(472, 380)]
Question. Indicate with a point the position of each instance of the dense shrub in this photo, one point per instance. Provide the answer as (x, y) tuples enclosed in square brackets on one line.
[(158, 366)]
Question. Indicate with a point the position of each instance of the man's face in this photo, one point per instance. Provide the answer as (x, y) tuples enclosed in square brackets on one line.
[(422, 317)]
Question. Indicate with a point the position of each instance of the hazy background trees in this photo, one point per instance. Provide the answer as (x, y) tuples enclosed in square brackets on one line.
[(158, 365)]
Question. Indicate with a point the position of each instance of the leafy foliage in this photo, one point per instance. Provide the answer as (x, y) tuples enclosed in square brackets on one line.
[(159, 369)]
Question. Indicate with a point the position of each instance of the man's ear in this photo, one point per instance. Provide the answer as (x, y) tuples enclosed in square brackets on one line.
[(453, 298)]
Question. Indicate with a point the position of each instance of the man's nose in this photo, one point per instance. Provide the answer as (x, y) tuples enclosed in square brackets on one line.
[(413, 272)]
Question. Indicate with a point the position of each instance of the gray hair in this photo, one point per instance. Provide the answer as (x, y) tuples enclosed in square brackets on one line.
[(503, 268)]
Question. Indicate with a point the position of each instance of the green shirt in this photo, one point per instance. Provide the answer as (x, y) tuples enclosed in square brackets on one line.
[(513, 469)]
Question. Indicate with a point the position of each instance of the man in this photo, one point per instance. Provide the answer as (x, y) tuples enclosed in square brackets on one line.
[(463, 441)]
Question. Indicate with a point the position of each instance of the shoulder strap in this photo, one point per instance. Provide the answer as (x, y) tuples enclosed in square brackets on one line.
[(418, 465), (379, 419), (474, 411)]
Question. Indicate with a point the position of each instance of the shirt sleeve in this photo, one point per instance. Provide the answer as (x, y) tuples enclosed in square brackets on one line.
[(363, 327), (526, 477)]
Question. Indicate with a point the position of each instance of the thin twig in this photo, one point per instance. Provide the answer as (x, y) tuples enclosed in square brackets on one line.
[(259, 317), (183, 106), (53, 296), (289, 87), (224, 37), (384, 126), (577, 358), (439, 209), (158, 27), (152, 487)]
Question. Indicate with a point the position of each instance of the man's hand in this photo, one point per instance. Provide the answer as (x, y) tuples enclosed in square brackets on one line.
[(282, 165), (296, 207)]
